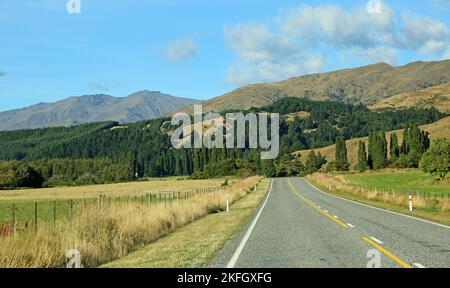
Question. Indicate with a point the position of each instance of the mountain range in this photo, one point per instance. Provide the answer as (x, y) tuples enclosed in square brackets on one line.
[(366, 85), (381, 86), (93, 108)]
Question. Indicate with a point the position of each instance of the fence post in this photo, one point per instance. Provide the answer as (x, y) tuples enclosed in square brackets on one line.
[(70, 210), (35, 216), (228, 201), (54, 213), (13, 218)]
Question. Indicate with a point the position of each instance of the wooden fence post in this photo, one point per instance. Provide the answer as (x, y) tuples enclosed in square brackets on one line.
[(54, 213), (13, 218), (35, 216)]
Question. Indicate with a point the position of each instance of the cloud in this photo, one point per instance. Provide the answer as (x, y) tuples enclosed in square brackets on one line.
[(103, 87), (3, 73), (290, 47), (182, 49)]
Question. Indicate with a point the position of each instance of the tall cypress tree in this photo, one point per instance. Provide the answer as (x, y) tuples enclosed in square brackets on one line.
[(341, 154), (394, 148), (362, 157), (377, 150)]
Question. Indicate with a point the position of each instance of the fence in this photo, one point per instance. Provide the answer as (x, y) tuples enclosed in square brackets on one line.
[(20, 215)]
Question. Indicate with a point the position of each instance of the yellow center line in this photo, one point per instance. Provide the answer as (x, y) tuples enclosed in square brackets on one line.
[(387, 253), (315, 207)]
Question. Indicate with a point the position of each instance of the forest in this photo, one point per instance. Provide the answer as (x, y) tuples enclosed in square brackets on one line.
[(108, 152)]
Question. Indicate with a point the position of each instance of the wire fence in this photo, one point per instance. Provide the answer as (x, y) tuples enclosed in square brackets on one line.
[(23, 215)]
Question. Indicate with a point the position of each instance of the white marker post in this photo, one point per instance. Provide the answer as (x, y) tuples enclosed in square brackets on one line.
[(228, 201), (410, 202)]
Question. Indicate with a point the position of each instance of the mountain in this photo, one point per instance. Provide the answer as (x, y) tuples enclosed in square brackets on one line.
[(93, 108), (438, 97), (439, 129), (366, 85)]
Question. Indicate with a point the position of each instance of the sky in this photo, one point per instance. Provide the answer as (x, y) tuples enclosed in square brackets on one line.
[(202, 48)]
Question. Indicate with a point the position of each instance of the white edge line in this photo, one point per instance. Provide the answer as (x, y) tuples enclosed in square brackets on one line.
[(377, 240), (244, 240), (418, 265), (335, 216), (350, 225), (380, 209)]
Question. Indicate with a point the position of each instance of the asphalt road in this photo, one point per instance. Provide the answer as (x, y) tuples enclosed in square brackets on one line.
[(300, 226)]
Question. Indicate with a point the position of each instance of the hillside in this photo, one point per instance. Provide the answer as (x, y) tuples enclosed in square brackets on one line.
[(366, 85), (438, 97), (439, 129), (93, 108)]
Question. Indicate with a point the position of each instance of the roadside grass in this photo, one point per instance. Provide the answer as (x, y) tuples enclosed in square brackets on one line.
[(25, 199), (195, 245), (435, 208), (401, 181), (118, 229)]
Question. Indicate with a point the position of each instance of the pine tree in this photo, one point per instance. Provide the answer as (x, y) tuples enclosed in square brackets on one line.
[(341, 154), (311, 162), (362, 165)]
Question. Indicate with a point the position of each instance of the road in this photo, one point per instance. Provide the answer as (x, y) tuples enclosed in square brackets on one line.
[(298, 225)]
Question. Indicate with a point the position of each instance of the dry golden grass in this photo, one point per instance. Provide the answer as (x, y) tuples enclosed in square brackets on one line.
[(120, 228), (109, 190), (438, 97), (439, 129), (338, 183), (292, 116), (196, 244)]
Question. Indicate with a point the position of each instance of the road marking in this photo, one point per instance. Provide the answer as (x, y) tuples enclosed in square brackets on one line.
[(326, 211), (335, 216), (350, 225), (315, 207), (387, 253), (319, 207), (376, 208), (244, 240), (376, 240), (418, 265)]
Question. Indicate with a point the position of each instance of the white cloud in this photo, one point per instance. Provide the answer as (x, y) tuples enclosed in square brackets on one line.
[(290, 47), (182, 49)]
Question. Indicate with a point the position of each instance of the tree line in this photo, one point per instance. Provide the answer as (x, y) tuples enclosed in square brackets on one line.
[(109, 152)]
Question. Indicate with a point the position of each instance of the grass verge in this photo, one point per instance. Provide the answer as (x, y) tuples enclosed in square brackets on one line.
[(196, 244), (430, 209)]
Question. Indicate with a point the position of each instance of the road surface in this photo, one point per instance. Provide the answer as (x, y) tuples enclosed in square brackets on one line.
[(298, 225)]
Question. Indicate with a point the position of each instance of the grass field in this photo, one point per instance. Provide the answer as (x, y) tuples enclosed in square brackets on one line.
[(103, 235), (401, 181), (51, 200), (196, 244)]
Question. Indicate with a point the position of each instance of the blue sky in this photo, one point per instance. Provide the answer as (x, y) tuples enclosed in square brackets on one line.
[(202, 48)]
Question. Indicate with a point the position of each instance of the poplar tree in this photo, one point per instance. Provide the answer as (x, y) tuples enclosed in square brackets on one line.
[(362, 157), (341, 154)]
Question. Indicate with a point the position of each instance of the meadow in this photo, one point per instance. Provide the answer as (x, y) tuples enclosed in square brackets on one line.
[(390, 189), (117, 228), (58, 202), (411, 181)]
